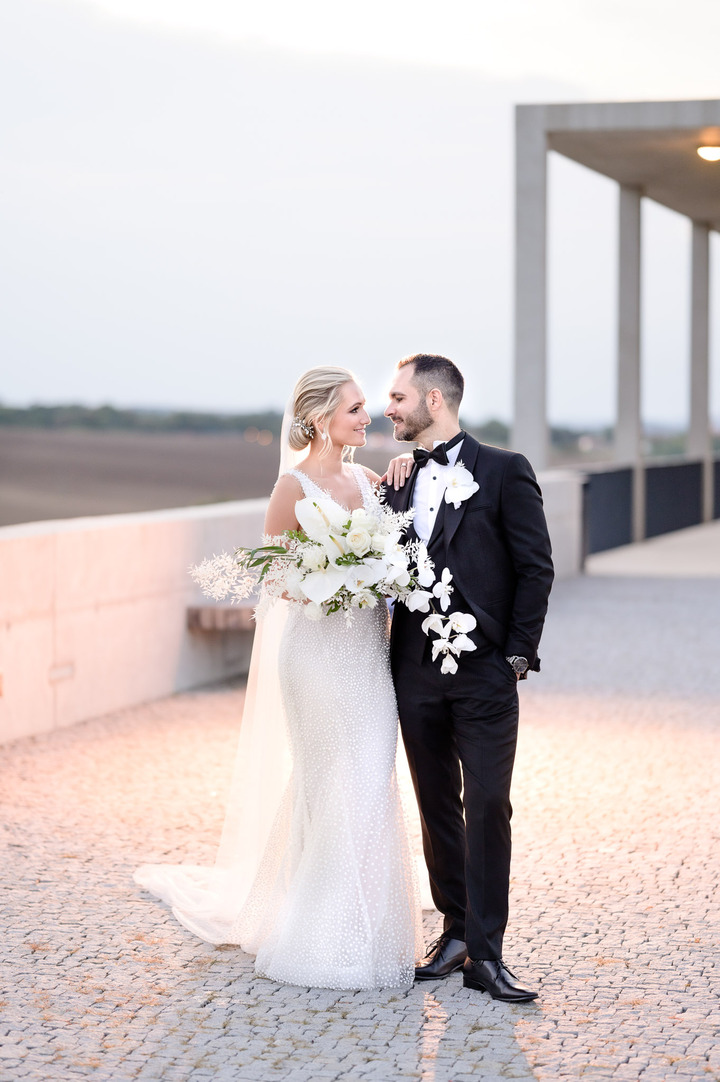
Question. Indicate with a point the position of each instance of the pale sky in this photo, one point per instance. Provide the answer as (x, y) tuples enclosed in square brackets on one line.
[(198, 200), (638, 48)]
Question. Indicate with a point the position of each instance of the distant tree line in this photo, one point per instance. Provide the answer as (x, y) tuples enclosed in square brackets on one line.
[(108, 417), (149, 420)]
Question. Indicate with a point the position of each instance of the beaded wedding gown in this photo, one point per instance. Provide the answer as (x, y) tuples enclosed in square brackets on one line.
[(331, 900)]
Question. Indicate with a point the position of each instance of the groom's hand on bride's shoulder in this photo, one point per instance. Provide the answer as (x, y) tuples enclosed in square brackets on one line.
[(398, 471)]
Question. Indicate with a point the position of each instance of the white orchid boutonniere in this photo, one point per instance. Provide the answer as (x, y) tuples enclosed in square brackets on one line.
[(461, 485)]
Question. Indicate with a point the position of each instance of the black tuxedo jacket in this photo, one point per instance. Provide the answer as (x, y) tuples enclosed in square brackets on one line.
[(497, 548)]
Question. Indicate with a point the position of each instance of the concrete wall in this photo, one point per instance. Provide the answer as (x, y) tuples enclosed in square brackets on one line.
[(563, 498), (92, 610)]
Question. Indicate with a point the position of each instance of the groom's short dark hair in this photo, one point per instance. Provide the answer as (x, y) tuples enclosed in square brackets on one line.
[(431, 370)]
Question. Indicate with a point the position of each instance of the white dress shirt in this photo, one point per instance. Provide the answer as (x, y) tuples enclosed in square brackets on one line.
[(430, 490)]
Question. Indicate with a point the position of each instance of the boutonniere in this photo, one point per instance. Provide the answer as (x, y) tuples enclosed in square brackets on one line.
[(461, 485)]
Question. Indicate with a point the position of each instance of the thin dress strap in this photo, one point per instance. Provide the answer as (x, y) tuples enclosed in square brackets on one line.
[(366, 487), (309, 487)]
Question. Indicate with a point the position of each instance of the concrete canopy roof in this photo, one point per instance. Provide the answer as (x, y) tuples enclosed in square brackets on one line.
[(647, 145)]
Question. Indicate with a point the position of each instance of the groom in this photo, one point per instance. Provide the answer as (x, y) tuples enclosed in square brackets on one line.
[(460, 729)]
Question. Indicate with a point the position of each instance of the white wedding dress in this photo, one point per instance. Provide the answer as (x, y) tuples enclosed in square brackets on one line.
[(332, 900)]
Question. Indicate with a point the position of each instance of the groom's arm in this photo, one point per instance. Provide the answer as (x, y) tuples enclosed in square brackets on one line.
[(526, 535)]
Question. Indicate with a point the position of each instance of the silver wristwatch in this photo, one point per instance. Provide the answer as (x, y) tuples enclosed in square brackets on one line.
[(519, 665)]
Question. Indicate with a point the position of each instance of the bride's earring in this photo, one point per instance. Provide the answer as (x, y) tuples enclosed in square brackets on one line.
[(323, 435)]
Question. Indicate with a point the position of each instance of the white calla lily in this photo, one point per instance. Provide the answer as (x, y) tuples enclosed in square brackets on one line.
[(320, 586), (319, 518)]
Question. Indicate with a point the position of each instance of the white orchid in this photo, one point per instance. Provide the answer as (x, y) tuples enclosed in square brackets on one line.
[(359, 577), (419, 601), (364, 599), (441, 646), (462, 622), (449, 664), (452, 639), (460, 485), (434, 622), (442, 589), (397, 560)]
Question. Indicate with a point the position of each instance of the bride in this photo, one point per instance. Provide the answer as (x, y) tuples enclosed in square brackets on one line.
[(314, 875)]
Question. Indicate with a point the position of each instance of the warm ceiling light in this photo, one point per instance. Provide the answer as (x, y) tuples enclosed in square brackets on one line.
[(710, 154)]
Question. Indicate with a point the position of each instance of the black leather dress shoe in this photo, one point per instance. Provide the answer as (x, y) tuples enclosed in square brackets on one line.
[(493, 976), (446, 955)]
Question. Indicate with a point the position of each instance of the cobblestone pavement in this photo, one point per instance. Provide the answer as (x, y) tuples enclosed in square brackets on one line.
[(613, 908)]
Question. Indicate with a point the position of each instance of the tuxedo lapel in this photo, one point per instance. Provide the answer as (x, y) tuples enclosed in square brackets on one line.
[(453, 515), (405, 494)]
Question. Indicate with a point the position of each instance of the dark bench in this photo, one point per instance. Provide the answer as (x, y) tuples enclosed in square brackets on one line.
[(221, 617)]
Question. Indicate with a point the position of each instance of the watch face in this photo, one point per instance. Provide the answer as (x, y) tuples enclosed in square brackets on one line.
[(520, 665)]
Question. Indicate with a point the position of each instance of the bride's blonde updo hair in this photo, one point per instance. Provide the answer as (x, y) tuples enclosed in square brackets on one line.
[(316, 397)]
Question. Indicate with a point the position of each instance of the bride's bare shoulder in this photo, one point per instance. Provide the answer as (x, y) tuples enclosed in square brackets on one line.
[(288, 484), (280, 514), (370, 474)]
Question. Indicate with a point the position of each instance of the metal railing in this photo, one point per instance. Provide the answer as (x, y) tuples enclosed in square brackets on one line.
[(673, 499)]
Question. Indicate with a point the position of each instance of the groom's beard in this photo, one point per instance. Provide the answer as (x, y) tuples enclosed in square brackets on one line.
[(414, 424)]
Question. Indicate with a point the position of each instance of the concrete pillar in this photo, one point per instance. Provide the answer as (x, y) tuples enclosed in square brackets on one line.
[(530, 431), (628, 429), (699, 444)]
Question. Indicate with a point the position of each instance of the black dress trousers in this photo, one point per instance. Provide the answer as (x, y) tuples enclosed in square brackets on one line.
[(460, 735)]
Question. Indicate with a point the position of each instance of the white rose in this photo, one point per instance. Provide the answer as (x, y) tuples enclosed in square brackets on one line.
[(314, 558), (312, 611), (361, 517), (358, 540)]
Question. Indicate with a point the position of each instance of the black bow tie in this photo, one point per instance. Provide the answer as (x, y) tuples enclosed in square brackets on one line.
[(438, 454)]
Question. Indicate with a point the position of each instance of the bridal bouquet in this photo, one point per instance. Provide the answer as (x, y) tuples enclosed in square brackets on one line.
[(341, 561)]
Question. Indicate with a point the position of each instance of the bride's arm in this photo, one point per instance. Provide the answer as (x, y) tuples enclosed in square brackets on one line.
[(398, 471), (280, 514)]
